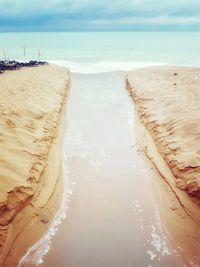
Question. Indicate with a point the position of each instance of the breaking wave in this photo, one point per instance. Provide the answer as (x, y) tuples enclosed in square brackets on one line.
[(104, 66)]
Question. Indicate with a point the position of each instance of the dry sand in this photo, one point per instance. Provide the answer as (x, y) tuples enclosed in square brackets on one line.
[(31, 105), (167, 100)]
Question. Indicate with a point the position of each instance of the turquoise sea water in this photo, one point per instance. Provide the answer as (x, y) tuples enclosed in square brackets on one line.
[(102, 51)]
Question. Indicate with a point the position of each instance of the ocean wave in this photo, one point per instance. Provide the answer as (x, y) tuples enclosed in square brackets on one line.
[(104, 66)]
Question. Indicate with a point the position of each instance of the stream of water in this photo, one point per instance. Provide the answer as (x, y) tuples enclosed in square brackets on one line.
[(112, 220)]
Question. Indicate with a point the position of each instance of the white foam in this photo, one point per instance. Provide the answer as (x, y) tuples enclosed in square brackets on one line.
[(104, 66)]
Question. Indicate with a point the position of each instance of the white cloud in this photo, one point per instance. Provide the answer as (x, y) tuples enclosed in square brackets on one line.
[(104, 12), (160, 20), (72, 6)]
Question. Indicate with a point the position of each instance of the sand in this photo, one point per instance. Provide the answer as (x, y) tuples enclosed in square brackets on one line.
[(31, 105), (168, 104)]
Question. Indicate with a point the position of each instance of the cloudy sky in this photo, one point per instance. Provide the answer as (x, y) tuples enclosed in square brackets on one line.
[(80, 15)]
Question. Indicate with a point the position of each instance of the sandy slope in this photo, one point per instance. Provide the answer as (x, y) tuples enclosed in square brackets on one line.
[(168, 103), (30, 108)]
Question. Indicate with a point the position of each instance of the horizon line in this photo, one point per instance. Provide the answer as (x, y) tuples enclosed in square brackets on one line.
[(71, 31)]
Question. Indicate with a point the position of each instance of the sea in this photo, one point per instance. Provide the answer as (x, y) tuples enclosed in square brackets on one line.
[(94, 52)]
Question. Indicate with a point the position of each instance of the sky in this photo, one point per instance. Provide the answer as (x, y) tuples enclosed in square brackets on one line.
[(99, 15)]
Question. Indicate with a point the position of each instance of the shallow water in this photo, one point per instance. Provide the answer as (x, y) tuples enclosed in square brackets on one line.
[(112, 218)]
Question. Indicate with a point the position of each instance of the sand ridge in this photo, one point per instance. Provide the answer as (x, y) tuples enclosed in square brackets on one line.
[(168, 103), (30, 106)]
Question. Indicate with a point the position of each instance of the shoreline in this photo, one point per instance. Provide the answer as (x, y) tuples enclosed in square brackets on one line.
[(37, 213)]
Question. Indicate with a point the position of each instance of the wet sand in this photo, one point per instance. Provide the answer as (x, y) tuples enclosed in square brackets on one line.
[(113, 219), (31, 105)]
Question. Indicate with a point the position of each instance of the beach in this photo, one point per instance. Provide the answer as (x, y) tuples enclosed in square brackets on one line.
[(101, 176), (31, 106)]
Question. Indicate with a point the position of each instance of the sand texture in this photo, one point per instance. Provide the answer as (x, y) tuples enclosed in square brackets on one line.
[(31, 103), (168, 104)]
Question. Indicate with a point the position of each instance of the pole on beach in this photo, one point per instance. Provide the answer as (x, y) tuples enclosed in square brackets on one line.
[(4, 54), (24, 52), (7, 54), (39, 54)]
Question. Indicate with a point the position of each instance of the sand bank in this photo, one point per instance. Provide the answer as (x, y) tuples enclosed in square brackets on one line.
[(31, 104), (168, 104), (174, 204)]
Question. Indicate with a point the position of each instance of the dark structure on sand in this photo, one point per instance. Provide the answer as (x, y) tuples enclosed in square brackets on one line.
[(15, 65)]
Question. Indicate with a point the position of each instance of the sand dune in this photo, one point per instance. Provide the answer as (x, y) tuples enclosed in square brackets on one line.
[(30, 108), (168, 104)]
